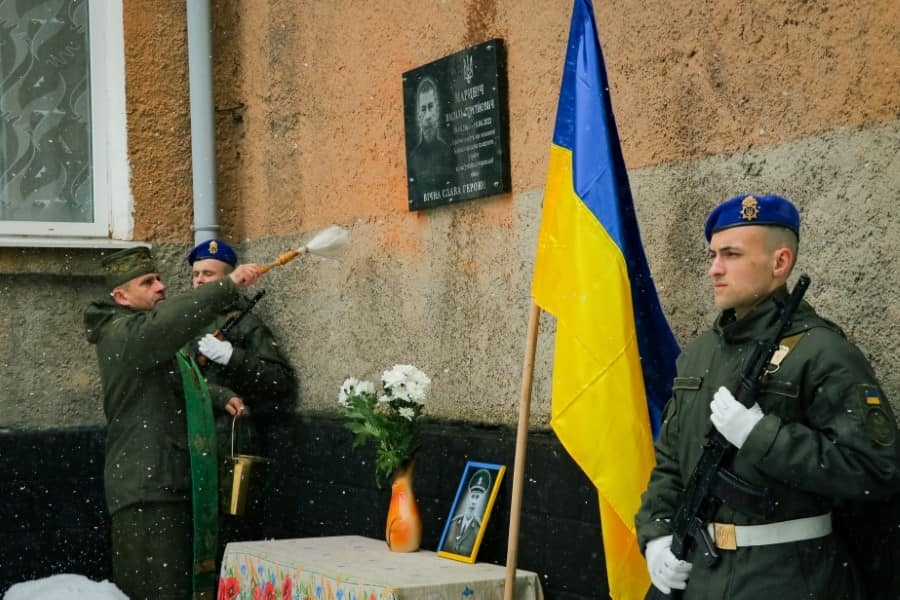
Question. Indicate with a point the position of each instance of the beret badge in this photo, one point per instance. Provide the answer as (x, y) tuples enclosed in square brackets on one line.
[(749, 208)]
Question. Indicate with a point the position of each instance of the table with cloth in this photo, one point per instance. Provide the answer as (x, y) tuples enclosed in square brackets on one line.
[(358, 568)]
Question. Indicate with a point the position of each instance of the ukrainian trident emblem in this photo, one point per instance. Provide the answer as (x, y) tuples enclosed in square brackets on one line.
[(749, 208), (468, 68)]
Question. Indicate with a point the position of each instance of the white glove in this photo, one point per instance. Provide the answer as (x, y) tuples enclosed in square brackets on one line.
[(666, 571), (733, 420), (214, 349)]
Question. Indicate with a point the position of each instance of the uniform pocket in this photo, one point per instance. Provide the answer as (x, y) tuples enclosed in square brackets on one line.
[(782, 398), (687, 383), (175, 465), (684, 389)]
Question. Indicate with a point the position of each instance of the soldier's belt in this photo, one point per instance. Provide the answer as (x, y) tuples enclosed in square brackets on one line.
[(728, 536)]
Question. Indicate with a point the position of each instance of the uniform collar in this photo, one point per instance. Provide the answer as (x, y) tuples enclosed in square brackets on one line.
[(756, 324)]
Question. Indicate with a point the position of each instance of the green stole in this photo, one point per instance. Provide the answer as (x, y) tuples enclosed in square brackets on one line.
[(204, 480)]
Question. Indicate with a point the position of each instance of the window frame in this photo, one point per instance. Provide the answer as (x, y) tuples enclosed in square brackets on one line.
[(112, 197)]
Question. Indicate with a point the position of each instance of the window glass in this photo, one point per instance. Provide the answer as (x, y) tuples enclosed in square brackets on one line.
[(61, 64)]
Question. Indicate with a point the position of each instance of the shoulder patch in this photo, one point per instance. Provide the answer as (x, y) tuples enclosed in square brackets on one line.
[(880, 425), (872, 397)]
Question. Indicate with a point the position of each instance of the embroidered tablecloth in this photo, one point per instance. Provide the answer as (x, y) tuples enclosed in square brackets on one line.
[(358, 568)]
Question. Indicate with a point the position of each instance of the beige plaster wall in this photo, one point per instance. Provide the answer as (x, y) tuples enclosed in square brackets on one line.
[(309, 105), (712, 99)]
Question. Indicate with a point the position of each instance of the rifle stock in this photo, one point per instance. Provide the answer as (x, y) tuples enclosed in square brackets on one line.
[(698, 505)]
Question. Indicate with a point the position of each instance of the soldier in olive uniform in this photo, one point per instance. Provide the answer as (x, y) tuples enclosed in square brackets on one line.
[(464, 526), (247, 362), (152, 395), (821, 432)]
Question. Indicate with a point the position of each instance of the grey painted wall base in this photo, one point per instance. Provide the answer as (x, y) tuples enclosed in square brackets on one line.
[(450, 292)]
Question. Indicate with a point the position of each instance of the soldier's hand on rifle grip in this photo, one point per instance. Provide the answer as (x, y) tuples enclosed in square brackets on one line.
[(216, 350), (733, 420), (666, 571)]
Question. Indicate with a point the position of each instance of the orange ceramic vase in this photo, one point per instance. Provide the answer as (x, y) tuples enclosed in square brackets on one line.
[(404, 524)]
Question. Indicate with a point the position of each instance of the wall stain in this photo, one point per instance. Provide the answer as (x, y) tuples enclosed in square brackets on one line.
[(480, 21)]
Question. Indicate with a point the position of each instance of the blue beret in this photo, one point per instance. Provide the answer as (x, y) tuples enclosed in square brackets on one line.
[(213, 249), (769, 210)]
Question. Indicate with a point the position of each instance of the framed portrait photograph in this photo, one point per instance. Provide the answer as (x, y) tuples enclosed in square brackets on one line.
[(471, 508)]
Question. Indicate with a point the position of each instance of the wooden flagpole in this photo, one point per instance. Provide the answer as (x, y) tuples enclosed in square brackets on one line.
[(512, 547)]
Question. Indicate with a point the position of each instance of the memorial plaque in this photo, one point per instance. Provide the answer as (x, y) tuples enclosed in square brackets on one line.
[(456, 127)]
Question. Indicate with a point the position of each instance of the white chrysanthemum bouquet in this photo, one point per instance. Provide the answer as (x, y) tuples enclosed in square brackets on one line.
[(390, 420)]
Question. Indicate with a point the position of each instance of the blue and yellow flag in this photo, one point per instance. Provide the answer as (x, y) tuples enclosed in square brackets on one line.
[(615, 354)]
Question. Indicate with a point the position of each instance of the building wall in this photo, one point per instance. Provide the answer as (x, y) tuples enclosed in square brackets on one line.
[(712, 99)]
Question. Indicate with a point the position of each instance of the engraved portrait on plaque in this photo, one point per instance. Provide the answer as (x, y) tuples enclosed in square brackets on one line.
[(455, 122), (431, 163)]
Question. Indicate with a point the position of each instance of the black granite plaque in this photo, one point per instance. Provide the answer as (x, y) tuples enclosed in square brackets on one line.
[(456, 132)]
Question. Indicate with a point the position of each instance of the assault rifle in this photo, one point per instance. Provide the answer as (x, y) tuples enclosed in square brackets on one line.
[(700, 497), (230, 323)]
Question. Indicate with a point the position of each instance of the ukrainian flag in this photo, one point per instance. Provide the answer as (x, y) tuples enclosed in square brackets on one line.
[(615, 354)]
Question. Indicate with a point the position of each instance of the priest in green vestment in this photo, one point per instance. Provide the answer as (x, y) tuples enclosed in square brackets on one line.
[(160, 462)]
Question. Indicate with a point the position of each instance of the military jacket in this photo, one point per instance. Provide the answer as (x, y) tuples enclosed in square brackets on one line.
[(462, 540), (257, 372), (828, 435), (147, 456)]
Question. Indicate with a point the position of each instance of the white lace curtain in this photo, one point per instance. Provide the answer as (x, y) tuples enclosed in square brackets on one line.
[(45, 139)]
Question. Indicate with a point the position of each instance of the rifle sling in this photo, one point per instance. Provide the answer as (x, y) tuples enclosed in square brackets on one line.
[(785, 346)]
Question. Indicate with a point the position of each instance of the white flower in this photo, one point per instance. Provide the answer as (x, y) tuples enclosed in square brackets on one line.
[(346, 390), (365, 387), (413, 374), (388, 418), (353, 387), (406, 382), (393, 377), (400, 393), (419, 377), (416, 391)]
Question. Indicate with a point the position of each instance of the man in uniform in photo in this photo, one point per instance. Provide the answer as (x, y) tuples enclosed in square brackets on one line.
[(432, 163), (465, 525)]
